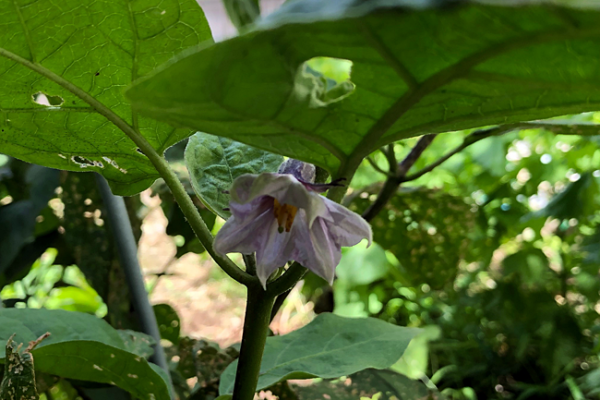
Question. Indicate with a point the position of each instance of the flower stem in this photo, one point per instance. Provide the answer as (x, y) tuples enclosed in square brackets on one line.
[(256, 329)]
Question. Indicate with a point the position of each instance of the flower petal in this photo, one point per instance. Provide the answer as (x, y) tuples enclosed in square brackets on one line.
[(317, 250), (246, 228), (283, 187), (273, 251), (348, 227)]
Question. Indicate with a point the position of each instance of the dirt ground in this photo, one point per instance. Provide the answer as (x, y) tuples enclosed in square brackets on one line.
[(209, 303)]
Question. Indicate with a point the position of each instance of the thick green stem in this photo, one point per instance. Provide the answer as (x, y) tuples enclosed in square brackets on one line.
[(256, 330)]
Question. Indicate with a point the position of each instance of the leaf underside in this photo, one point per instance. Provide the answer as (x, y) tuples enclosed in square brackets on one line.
[(417, 70), (215, 162), (98, 48)]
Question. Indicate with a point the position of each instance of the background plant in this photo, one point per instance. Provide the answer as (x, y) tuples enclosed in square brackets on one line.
[(494, 242)]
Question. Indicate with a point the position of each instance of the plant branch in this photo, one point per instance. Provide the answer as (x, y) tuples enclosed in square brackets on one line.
[(162, 166), (287, 281), (392, 183), (414, 155), (279, 302), (397, 176), (469, 140), (377, 168), (389, 154), (250, 261)]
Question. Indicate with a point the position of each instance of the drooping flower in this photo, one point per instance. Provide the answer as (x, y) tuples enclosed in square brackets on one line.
[(282, 217)]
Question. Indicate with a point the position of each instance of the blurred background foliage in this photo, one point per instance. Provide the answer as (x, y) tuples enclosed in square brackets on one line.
[(496, 253)]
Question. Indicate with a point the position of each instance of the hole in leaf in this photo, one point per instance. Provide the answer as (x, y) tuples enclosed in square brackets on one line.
[(47, 100), (114, 164), (85, 162), (325, 79), (336, 70)]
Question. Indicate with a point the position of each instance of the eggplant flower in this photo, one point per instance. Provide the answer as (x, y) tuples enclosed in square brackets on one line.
[(281, 217)]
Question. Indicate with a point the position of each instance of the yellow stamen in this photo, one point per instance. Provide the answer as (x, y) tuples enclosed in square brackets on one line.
[(285, 214)]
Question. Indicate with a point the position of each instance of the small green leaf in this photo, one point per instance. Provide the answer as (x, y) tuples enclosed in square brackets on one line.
[(329, 347), (96, 362), (168, 322), (242, 12), (82, 347), (137, 342), (214, 163)]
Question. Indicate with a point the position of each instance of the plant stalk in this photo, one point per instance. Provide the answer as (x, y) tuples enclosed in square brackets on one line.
[(256, 330)]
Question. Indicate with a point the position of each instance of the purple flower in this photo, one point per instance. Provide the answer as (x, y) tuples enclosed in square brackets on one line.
[(282, 218)]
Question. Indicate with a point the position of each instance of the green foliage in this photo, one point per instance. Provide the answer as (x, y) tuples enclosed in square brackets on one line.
[(64, 67), (578, 200), (137, 342), (427, 231), (178, 227), (384, 384), (520, 316), (168, 322), (496, 249), (202, 360), (27, 237), (483, 71), (19, 375), (82, 347), (54, 287), (328, 347), (214, 163)]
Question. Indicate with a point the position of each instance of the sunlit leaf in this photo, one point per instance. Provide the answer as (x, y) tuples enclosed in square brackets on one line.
[(57, 58)]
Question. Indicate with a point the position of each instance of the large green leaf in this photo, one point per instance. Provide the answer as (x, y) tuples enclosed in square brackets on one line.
[(329, 347), (73, 52), (81, 347), (215, 162), (417, 69)]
